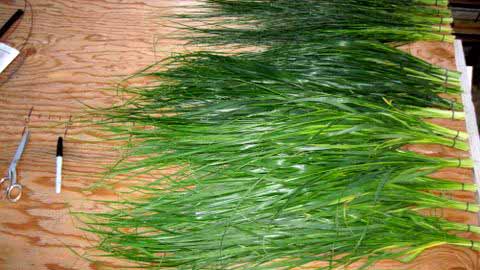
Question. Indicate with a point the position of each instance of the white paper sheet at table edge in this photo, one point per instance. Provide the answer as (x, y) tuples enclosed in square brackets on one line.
[(7, 55), (469, 108)]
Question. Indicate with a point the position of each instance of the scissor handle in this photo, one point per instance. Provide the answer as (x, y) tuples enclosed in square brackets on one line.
[(10, 192), (3, 180), (5, 184)]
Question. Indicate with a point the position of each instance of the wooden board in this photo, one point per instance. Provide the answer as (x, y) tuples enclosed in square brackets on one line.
[(77, 49)]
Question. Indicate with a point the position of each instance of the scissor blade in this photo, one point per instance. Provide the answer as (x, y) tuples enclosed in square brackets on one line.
[(19, 152)]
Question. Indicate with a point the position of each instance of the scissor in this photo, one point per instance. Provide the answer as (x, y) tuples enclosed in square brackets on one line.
[(14, 187)]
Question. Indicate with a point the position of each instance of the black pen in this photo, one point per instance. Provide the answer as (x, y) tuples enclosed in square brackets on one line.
[(58, 179), (17, 15)]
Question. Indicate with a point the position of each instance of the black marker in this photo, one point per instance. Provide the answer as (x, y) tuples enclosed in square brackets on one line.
[(58, 179), (17, 15)]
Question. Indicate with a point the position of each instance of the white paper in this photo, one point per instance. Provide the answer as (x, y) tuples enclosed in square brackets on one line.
[(469, 108), (7, 55)]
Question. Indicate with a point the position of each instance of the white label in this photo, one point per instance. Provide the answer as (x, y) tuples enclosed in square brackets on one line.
[(7, 55)]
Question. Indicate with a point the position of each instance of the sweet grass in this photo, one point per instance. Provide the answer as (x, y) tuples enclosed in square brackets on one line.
[(193, 230), (292, 154), (268, 22), (279, 145), (339, 68), (243, 218)]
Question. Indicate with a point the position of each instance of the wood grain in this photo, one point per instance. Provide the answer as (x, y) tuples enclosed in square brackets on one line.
[(79, 48)]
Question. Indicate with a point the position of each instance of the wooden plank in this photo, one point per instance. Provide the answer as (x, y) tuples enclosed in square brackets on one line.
[(77, 49)]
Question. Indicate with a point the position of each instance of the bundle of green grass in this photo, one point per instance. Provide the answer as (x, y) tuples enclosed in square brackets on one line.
[(269, 22), (291, 155)]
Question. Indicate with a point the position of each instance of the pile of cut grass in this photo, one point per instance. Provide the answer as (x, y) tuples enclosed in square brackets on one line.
[(271, 22), (294, 154)]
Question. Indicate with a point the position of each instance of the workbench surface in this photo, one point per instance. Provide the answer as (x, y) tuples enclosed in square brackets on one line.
[(78, 49)]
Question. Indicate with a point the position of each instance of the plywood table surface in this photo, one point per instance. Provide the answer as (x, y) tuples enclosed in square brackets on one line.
[(78, 49)]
